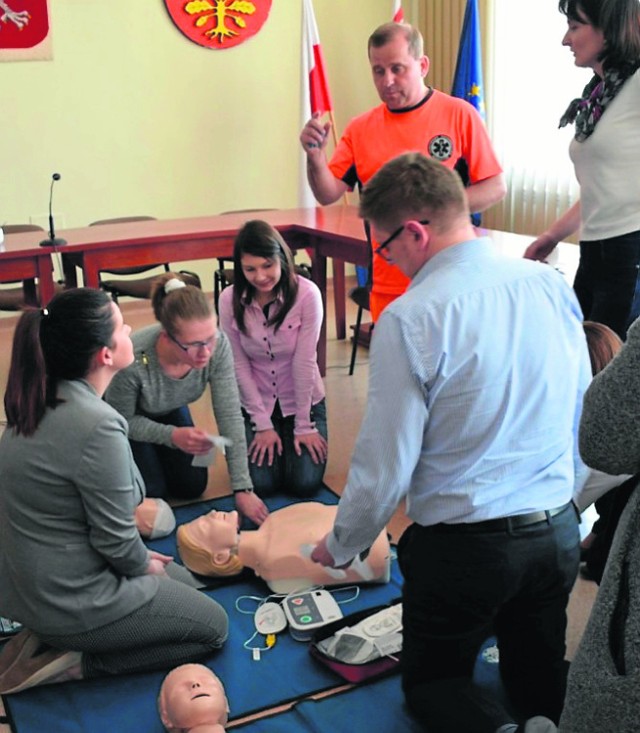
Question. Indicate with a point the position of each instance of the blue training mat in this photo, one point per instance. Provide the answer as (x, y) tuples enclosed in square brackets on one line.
[(377, 707), (127, 704)]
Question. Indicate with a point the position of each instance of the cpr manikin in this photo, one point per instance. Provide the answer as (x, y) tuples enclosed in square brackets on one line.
[(192, 700), (154, 518), (279, 550)]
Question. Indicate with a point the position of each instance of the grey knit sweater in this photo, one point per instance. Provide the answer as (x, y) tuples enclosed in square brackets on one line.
[(603, 693), (143, 390)]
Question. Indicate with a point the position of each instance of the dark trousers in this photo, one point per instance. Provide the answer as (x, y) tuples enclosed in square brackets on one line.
[(290, 473), (460, 588), (607, 282), (167, 472)]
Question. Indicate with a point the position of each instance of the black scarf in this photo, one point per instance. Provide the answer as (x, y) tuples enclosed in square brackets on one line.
[(596, 97)]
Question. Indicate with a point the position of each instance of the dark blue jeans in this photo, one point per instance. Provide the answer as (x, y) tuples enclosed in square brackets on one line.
[(289, 473), (607, 282), (167, 472), (462, 587)]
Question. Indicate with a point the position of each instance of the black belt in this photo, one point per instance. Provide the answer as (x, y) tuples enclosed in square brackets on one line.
[(503, 524)]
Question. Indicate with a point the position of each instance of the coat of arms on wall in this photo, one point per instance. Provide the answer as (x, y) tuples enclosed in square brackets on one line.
[(24, 30), (218, 24)]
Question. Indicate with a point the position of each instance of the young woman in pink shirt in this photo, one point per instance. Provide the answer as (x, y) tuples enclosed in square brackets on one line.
[(272, 318)]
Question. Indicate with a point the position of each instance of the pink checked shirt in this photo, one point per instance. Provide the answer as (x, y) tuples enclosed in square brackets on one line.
[(277, 365)]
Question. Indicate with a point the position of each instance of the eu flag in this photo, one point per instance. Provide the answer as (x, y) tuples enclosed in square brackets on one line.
[(467, 81)]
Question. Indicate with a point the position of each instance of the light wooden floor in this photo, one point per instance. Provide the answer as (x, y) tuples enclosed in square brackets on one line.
[(346, 397)]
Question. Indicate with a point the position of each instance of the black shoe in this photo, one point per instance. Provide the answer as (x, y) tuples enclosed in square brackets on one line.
[(586, 574)]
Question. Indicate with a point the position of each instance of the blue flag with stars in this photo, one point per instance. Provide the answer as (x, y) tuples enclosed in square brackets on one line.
[(467, 81)]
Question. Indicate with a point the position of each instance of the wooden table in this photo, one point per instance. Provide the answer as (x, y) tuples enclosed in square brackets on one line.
[(22, 259), (335, 232), (564, 257)]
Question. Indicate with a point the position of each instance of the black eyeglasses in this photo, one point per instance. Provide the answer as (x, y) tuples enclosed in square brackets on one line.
[(379, 250), (195, 346)]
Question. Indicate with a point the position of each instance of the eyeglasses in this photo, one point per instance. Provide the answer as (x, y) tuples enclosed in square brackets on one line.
[(379, 250), (194, 347)]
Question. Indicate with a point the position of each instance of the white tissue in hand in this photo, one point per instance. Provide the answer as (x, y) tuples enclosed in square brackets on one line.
[(208, 459)]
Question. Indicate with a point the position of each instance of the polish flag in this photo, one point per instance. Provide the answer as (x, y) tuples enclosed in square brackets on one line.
[(398, 15), (313, 63), (315, 95)]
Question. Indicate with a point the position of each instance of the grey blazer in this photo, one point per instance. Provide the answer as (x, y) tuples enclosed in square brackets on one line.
[(603, 691), (71, 558)]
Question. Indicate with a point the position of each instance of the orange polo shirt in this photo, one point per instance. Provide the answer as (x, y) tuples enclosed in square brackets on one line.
[(442, 127)]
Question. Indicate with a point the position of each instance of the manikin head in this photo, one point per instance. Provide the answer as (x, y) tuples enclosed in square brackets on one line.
[(192, 698), (208, 544)]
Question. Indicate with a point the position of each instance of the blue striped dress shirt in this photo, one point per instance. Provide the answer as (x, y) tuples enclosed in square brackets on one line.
[(475, 390)]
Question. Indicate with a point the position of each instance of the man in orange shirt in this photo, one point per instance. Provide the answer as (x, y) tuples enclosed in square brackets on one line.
[(412, 117)]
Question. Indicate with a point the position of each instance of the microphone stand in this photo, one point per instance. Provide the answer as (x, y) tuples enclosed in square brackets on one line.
[(52, 240)]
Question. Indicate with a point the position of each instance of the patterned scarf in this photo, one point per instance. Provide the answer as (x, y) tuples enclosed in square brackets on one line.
[(596, 97)]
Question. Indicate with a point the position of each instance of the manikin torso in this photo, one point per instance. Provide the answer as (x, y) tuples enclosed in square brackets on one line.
[(278, 551)]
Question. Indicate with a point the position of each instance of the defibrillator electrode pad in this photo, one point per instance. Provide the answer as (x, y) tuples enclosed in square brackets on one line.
[(376, 636)]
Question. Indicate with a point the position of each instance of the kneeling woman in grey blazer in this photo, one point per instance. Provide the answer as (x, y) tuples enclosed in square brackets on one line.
[(73, 570)]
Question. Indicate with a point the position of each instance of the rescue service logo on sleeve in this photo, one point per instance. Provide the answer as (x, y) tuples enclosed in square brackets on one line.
[(440, 147), (218, 24)]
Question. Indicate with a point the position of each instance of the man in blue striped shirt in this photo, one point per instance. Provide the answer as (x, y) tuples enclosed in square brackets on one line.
[(475, 391)]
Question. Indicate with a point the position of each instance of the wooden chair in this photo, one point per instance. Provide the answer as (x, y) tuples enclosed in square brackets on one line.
[(360, 296), (134, 287), (15, 299)]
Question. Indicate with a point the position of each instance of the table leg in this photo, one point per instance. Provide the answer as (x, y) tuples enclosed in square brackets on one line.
[(339, 299), (69, 272), (45, 281), (319, 273)]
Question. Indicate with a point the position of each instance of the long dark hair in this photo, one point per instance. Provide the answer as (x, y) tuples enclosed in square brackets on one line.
[(260, 239), (50, 344), (619, 21)]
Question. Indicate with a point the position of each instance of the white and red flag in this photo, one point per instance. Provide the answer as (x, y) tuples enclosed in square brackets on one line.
[(398, 15), (315, 95), (313, 60)]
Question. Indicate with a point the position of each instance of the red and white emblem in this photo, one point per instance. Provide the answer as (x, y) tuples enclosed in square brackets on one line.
[(23, 23), (219, 23)]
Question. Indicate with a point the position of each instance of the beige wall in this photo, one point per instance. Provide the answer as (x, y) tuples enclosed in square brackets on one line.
[(137, 119)]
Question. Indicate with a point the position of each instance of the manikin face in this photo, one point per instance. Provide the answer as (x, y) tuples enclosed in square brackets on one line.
[(218, 532), (398, 77), (192, 695), (586, 43), (261, 272)]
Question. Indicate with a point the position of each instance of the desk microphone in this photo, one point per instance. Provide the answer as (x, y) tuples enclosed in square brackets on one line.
[(53, 241)]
